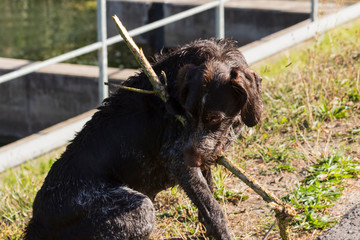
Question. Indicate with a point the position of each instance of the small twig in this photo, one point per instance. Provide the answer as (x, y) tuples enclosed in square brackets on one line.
[(283, 212), (129, 88), (165, 79), (268, 232)]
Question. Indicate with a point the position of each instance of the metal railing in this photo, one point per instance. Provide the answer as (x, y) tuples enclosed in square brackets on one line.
[(314, 10), (102, 53), (103, 42)]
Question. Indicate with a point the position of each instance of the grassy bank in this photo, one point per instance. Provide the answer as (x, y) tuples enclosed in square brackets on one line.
[(305, 150)]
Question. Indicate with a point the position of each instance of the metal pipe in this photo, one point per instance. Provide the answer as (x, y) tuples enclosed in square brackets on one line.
[(220, 20), (110, 41), (102, 52), (167, 20), (37, 65), (314, 10)]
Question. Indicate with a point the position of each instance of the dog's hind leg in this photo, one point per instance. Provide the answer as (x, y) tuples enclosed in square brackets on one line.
[(123, 213), (96, 211)]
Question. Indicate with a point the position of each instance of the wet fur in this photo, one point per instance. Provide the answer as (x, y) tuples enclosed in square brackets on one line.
[(103, 185)]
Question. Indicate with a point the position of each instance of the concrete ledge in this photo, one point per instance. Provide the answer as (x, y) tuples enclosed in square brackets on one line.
[(47, 96), (297, 34), (42, 142)]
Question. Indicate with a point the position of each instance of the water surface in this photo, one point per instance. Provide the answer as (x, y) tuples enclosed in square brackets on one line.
[(42, 29)]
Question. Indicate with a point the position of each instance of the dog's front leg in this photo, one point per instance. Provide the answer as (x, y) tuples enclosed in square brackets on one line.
[(208, 177), (194, 184)]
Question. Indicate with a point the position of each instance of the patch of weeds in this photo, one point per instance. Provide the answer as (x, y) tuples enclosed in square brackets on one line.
[(318, 191), (355, 131), (282, 155), (354, 95), (166, 214), (328, 112), (181, 213), (278, 154), (227, 196), (187, 213), (221, 193), (284, 167)]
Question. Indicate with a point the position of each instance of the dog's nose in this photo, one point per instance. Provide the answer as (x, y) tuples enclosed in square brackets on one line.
[(192, 157)]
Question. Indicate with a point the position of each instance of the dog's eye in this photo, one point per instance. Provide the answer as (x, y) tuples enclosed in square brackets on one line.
[(213, 119)]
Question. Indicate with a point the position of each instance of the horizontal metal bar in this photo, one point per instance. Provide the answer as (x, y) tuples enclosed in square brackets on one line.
[(110, 41), (301, 34), (36, 66), (167, 20), (42, 142)]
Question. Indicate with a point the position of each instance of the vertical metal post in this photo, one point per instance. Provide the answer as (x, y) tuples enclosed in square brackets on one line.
[(102, 53), (220, 20), (314, 10)]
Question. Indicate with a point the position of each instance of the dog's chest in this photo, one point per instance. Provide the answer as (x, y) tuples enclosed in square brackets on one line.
[(147, 175)]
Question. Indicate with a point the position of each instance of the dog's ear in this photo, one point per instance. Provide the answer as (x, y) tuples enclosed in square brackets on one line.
[(189, 87), (248, 87)]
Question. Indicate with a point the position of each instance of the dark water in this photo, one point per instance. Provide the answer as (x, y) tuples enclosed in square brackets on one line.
[(42, 29)]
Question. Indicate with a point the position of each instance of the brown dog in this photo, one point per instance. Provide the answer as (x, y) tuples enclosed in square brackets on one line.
[(103, 185)]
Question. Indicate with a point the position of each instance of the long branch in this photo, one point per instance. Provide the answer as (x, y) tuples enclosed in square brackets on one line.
[(159, 88)]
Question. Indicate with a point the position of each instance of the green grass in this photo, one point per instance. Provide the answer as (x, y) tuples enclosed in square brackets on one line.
[(17, 191), (306, 146), (320, 189)]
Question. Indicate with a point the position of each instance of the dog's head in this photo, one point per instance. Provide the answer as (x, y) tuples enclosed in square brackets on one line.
[(216, 98)]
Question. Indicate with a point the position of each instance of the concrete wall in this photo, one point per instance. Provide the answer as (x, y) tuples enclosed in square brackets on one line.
[(244, 21), (38, 100), (131, 14)]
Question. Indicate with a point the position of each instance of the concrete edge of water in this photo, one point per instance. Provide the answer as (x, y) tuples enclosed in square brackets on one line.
[(41, 142)]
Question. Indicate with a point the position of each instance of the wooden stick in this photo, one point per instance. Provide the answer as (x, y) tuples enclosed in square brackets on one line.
[(159, 88), (283, 212)]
